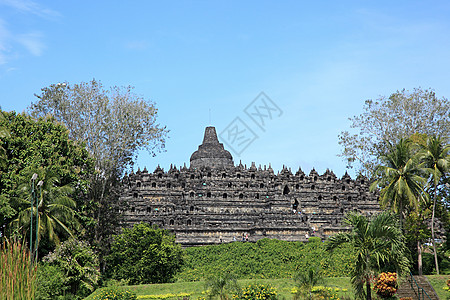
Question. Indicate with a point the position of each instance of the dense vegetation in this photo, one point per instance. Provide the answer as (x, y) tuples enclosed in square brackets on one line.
[(69, 155), (264, 259)]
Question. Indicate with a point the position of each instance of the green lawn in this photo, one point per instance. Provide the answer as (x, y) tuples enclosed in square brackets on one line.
[(283, 286), (439, 282)]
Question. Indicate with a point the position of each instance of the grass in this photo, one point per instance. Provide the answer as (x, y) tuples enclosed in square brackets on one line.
[(439, 282), (283, 286), (195, 289)]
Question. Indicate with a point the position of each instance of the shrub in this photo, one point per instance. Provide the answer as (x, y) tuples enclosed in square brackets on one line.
[(17, 273), (321, 292), (221, 286), (79, 263), (165, 296), (264, 259), (144, 254), (51, 282), (257, 291), (386, 285), (114, 293)]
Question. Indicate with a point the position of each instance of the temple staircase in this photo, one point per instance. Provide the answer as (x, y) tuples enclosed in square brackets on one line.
[(417, 287)]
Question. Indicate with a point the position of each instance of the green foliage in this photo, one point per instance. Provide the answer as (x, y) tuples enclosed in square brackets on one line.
[(257, 291), (322, 292), (31, 145), (51, 282), (144, 254), (435, 155), (114, 293), (56, 209), (17, 273), (79, 264), (314, 239), (387, 120), (264, 259), (376, 241), (165, 296), (114, 124), (401, 179), (221, 286), (306, 280)]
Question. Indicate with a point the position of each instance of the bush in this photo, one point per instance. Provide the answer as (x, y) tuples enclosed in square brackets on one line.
[(144, 254), (321, 292), (264, 259), (386, 285), (114, 293), (79, 263), (51, 282), (257, 291)]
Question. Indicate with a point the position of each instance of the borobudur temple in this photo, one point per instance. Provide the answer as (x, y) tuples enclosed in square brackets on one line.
[(215, 201)]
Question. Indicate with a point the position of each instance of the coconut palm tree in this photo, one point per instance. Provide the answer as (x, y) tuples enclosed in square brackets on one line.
[(376, 241), (401, 179), (436, 158), (56, 215)]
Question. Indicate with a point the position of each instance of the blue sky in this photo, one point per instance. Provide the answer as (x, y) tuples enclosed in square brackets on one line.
[(316, 60)]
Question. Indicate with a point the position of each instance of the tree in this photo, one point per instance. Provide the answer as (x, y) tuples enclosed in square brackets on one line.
[(417, 231), (400, 179), (307, 279), (56, 210), (38, 144), (114, 124), (387, 120), (79, 264), (221, 285), (436, 157), (376, 241), (144, 254), (3, 133)]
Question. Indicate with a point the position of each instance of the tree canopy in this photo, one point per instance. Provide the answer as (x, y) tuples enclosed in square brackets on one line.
[(387, 120), (377, 241), (144, 254), (115, 124), (33, 145)]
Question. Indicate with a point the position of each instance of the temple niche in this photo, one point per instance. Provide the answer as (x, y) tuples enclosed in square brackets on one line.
[(215, 201)]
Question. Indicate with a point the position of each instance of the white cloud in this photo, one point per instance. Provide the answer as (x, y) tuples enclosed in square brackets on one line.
[(32, 42), (4, 42), (28, 6)]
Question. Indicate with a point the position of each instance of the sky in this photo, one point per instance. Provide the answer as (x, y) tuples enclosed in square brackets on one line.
[(278, 79)]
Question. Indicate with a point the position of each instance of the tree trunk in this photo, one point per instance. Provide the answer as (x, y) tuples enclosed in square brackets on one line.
[(419, 257), (368, 290), (432, 230)]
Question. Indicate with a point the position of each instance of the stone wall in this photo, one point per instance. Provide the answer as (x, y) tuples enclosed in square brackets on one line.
[(210, 205)]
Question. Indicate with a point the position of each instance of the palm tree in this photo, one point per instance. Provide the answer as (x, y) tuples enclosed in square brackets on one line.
[(220, 286), (376, 241), (401, 179), (55, 207), (436, 158), (306, 280)]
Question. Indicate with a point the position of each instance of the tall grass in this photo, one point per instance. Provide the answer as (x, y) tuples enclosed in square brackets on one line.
[(17, 273)]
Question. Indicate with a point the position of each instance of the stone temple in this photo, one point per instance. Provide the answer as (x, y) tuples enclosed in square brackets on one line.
[(215, 201)]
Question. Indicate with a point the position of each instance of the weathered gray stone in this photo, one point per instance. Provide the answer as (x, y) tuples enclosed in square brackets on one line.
[(215, 201)]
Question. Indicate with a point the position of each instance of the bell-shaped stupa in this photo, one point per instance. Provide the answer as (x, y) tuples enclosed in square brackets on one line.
[(211, 153)]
